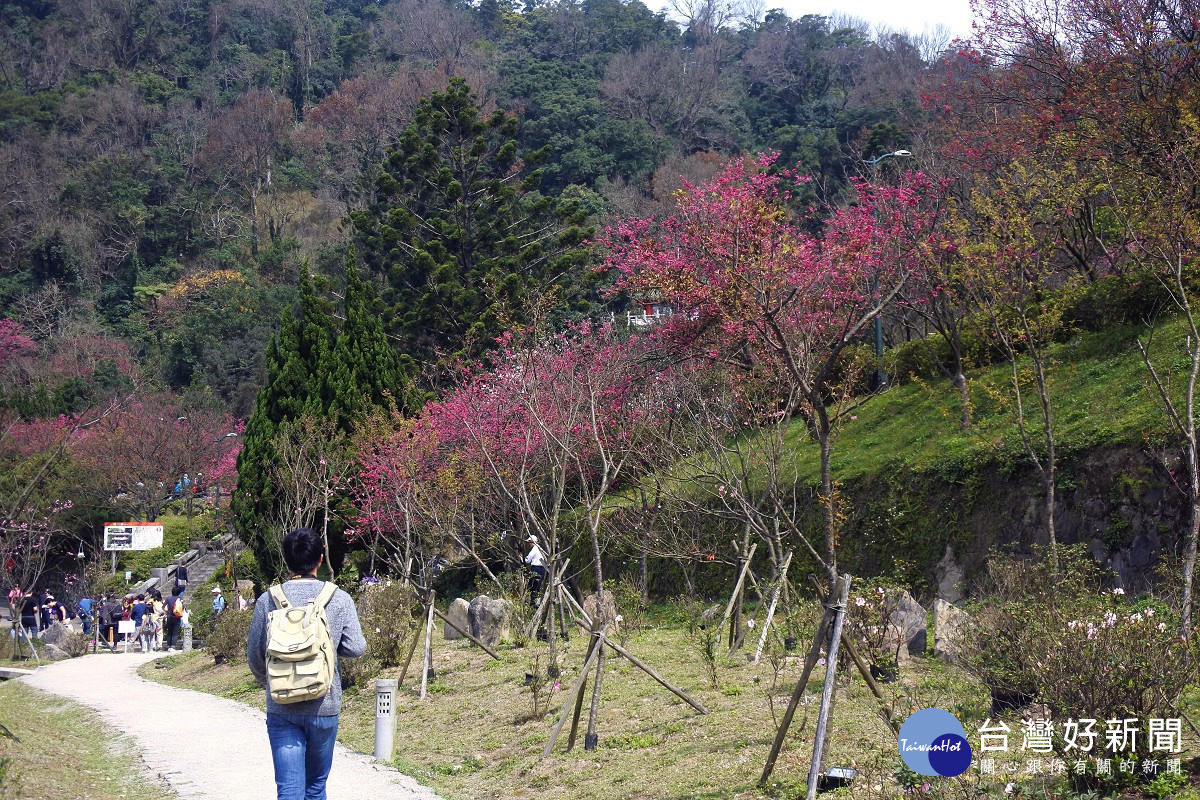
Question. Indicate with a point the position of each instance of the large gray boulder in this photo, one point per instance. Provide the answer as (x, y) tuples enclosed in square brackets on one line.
[(910, 618), (52, 652), (604, 612), (488, 619), (58, 635), (457, 613), (950, 578), (951, 626)]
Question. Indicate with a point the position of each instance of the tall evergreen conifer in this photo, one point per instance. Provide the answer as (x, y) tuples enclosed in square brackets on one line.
[(314, 366), (469, 247)]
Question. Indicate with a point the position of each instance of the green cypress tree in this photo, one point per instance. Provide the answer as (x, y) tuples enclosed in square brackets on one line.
[(365, 370), (294, 361), (316, 368), (467, 244)]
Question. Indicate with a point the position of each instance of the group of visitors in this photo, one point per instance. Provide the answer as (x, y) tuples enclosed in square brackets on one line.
[(154, 619), (38, 610)]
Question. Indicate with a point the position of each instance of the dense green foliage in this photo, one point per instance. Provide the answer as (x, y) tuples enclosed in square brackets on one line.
[(469, 247), (319, 367), (167, 167)]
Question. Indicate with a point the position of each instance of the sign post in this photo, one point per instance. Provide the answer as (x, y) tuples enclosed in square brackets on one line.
[(122, 536)]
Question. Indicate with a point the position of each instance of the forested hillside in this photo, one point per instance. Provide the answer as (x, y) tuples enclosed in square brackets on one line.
[(381, 257), (169, 165)]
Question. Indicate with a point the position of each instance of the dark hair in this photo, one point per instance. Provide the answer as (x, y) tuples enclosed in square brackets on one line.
[(176, 590), (141, 597), (302, 550)]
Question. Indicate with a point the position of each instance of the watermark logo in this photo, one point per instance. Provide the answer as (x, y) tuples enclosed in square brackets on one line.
[(933, 742)]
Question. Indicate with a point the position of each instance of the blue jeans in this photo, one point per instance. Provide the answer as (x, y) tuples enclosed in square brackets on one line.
[(302, 749)]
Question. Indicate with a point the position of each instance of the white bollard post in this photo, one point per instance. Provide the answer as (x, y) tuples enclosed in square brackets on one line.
[(385, 718), (187, 637)]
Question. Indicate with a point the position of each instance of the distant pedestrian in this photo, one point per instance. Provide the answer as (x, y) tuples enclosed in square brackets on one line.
[(181, 579), (157, 607), (111, 614), (302, 734), (537, 565), (146, 631), (29, 614), (138, 611), (172, 617), (218, 604), (85, 609)]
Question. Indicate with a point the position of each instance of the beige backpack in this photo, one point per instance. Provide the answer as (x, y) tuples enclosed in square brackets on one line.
[(301, 656)]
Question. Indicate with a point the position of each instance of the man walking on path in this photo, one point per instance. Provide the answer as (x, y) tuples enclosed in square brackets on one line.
[(303, 734), (218, 601)]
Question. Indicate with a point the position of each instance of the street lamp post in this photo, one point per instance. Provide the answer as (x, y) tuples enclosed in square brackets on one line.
[(880, 375)]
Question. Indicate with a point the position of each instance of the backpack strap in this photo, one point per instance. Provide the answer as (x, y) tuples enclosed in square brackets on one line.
[(326, 594), (279, 597)]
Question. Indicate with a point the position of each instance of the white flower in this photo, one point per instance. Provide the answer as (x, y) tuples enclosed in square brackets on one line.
[(858, 601), (1118, 590), (377, 630)]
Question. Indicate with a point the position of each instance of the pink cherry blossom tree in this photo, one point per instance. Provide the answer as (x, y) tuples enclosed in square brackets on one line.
[(755, 289)]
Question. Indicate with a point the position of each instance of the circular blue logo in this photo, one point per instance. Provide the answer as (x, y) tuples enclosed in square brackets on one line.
[(933, 742)]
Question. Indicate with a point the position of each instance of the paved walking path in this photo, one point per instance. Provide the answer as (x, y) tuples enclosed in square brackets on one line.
[(204, 747)]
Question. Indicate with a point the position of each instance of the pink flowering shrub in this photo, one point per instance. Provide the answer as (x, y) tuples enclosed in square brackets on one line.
[(1072, 642)]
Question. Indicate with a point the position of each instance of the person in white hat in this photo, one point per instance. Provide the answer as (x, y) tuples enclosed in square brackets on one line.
[(218, 600), (537, 565)]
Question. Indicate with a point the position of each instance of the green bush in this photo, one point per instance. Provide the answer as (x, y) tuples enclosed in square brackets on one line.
[(229, 633), (388, 612), (1065, 638)]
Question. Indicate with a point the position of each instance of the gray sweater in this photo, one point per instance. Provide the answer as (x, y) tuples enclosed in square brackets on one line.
[(344, 630)]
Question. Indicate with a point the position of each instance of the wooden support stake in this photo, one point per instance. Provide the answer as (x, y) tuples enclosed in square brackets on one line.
[(411, 650), (737, 589), (576, 691), (467, 634), (427, 660), (762, 638), (863, 669), (646, 668), (809, 663), (593, 654), (835, 636)]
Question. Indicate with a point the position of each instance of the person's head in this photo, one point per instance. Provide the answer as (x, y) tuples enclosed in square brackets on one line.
[(302, 551), (175, 591), (141, 598)]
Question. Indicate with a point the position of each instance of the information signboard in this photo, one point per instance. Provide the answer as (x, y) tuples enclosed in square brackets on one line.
[(132, 535)]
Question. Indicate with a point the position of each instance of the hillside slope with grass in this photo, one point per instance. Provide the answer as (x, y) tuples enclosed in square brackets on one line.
[(914, 480)]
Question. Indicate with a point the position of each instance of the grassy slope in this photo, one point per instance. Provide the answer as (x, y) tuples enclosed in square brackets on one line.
[(1100, 395), (66, 752)]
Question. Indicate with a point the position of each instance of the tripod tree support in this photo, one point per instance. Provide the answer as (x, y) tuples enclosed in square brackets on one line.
[(835, 636), (762, 639), (427, 659), (810, 662), (864, 669), (576, 692), (737, 593), (637, 662)]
